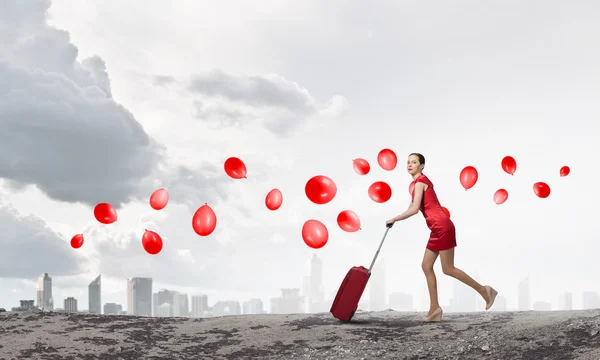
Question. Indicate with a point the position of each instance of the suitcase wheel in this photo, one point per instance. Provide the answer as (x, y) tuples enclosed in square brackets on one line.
[(350, 318)]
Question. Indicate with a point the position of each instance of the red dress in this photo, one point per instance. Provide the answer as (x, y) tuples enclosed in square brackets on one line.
[(443, 233)]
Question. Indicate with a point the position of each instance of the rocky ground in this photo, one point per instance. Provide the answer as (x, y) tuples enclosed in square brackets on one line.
[(560, 335)]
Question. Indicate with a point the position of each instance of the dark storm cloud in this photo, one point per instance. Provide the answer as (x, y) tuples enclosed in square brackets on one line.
[(60, 128)]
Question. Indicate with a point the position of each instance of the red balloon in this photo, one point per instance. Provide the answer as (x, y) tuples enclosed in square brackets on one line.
[(320, 189), (159, 199), (564, 171), (411, 188), (274, 199), (315, 234), (152, 242), (446, 211), (541, 189), (235, 168), (509, 165), (380, 192), (348, 221), (105, 213), (468, 177), (387, 159), (361, 166), (204, 220), (500, 196), (77, 241)]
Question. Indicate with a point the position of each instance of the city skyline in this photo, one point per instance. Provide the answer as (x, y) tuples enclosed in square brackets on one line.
[(171, 303), (95, 108)]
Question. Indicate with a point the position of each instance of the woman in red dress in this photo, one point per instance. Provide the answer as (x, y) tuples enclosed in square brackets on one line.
[(442, 240)]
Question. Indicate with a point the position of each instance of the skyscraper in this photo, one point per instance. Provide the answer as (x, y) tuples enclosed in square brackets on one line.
[(464, 298), (524, 295), (590, 300), (377, 286), (94, 296), (178, 304), (199, 305), (401, 301), (499, 304), (565, 301), (316, 292), (181, 305), (44, 293), (139, 296), (71, 305)]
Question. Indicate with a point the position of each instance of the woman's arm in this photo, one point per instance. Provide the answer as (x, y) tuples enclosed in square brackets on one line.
[(414, 206)]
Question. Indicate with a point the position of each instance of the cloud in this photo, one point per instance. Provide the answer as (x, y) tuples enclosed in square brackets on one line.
[(272, 101), (60, 128), (163, 80), (30, 248), (258, 91)]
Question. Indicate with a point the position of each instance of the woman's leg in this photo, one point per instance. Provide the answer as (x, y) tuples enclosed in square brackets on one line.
[(428, 260), (447, 259)]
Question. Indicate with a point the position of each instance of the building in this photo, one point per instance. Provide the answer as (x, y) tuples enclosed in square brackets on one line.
[(464, 298), (181, 305), (224, 308), (524, 295), (542, 306), (590, 300), (499, 304), (178, 304), (70, 305), (306, 291), (200, 306), (565, 301), (25, 305), (316, 292), (44, 293), (401, 301), (377, 286), (139, 296), (290, 302), (254, 306), (94, 296), (159, 298), (164, 310), (113, 309)]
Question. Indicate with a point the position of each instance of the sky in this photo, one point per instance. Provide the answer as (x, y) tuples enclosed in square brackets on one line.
[(109, 101)]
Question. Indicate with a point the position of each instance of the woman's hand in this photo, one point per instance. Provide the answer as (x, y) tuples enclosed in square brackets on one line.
[(390, 223)]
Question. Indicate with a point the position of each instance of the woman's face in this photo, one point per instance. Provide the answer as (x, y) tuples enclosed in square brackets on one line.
[(413, 166)]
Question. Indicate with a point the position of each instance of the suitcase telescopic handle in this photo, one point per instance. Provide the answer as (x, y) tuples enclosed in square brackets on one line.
[(387, 228)]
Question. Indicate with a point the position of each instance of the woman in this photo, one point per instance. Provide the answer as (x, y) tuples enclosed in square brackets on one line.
[(442, 240)]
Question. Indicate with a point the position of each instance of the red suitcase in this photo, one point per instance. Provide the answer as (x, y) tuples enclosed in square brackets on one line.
[(346, 301)]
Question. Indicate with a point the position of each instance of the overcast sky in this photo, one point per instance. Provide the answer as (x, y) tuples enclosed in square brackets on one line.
[(109, 101)]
